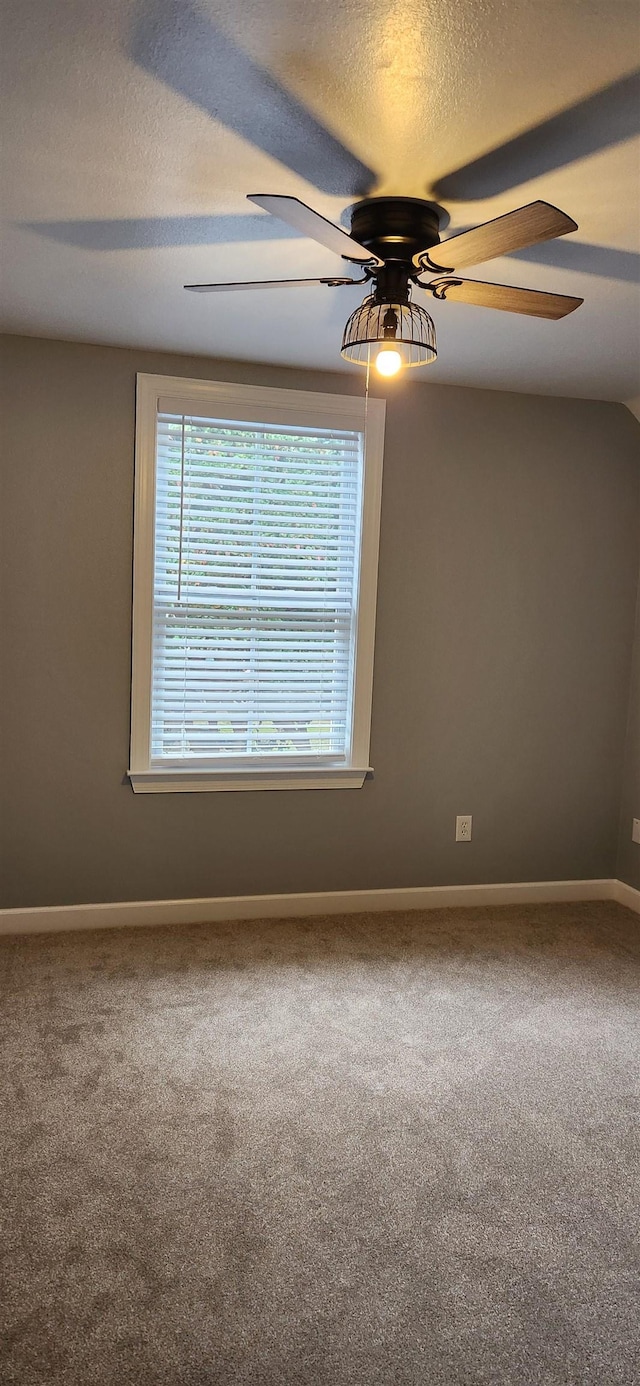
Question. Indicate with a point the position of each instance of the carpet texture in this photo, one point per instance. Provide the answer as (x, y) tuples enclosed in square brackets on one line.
[(346, 1151)]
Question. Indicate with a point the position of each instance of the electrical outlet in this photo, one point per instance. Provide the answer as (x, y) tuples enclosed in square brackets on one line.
[(463, 827), (635, 831)]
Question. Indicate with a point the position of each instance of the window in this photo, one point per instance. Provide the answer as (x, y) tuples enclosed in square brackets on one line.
[(255, 567)]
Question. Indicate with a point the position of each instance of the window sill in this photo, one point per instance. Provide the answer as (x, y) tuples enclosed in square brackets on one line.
[(213, 781)]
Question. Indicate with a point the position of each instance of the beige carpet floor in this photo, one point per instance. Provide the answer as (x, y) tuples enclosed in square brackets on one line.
[(336, 1152)]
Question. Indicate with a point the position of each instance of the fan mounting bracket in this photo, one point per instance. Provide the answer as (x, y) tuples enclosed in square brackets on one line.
[(426, 263), (438, 287)]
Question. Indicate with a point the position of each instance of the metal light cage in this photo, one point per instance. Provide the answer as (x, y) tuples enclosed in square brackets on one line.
[(413, 334)]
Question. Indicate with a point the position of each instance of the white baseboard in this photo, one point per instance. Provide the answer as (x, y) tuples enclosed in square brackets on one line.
[(627, 895), (137, 913)]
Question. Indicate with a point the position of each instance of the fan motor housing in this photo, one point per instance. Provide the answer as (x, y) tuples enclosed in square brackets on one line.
[(396, 228)]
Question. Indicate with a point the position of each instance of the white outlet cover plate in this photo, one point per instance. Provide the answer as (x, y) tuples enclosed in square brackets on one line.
[(635, 831), (464, 824)]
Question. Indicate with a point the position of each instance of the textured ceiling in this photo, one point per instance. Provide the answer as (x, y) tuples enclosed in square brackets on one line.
[(134, 130)]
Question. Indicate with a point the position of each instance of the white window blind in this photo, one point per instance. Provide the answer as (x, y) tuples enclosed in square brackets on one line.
[(254, 588), (257, 531)]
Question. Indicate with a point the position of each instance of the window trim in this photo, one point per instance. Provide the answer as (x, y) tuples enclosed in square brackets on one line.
[(308, 408)]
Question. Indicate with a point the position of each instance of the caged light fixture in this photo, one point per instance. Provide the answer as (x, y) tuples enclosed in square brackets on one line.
[(391, 334)]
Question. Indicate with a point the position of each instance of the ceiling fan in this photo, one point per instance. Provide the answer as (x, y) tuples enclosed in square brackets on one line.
[(396, 242), (178, 44)]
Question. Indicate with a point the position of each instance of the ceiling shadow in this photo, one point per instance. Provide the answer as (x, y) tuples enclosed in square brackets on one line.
[(602, 260), (157, 233), (608, 117), (151, 233), (188, 52)]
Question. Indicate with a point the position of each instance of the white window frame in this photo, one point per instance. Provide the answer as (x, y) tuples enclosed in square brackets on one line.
[(251, 403)]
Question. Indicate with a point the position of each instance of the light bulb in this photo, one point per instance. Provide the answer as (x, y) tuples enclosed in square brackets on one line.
[(388, 361)]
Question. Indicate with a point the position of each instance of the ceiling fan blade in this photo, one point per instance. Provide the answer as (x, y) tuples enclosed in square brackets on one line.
[(606, 118), (510, 299), (269, 284), (538, 221), (311, 224)]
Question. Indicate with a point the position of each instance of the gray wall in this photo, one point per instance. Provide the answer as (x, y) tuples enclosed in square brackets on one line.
[(508, 574), (628, 865)]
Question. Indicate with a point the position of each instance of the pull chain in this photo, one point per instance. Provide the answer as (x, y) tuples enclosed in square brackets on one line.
[(366, 392)]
